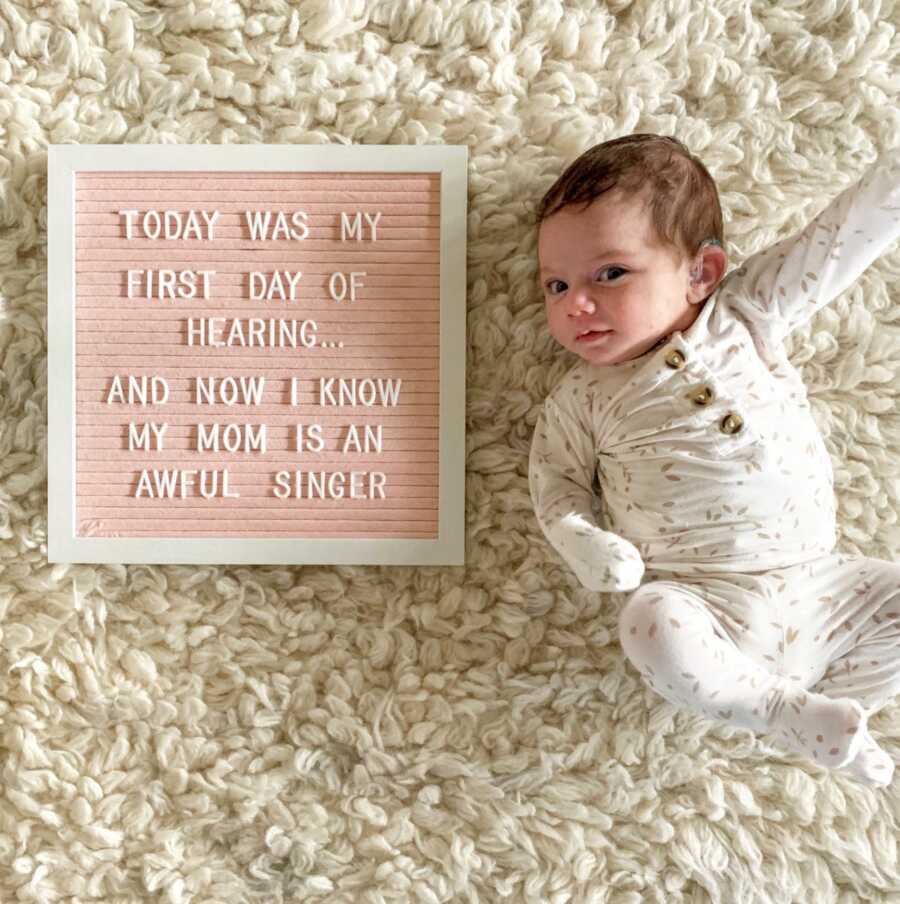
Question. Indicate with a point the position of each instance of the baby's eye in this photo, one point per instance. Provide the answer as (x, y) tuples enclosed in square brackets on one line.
[(610, 270), (555, 286)]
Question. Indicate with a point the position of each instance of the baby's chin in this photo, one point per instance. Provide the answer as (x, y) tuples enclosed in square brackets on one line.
[(605, 352), (623, 350), (602, 358)]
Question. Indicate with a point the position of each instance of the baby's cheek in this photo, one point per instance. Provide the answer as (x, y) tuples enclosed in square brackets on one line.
[(556, 330)]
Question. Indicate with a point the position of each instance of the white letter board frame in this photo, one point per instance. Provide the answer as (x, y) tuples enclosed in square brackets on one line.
[(64, 161)]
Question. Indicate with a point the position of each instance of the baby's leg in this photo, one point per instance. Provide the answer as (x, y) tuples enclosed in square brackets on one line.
[(842, 623), (683, 652)]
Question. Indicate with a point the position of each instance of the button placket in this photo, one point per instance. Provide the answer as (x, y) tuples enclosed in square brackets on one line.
[(730, 424)]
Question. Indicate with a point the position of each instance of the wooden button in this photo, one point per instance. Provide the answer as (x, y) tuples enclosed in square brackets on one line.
[(703, 396), (731, 424), (675, 359)]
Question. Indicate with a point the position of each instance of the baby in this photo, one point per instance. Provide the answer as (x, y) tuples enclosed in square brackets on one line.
[(685, 431)]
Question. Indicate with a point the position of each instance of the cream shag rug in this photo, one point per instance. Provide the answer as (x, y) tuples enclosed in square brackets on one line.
[(274, 734)]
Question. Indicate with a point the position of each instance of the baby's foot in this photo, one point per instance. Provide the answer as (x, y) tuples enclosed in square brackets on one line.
[(830, 730), (872, 765)]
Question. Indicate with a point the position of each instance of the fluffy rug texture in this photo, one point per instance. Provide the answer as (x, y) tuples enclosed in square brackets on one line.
[(377, 734)]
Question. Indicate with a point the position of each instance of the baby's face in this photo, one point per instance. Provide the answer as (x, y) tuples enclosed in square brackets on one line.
[(611, 290)]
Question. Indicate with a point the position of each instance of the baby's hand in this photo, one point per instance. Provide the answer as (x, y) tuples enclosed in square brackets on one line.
[(625, 567), (601, 560), (615, 565)]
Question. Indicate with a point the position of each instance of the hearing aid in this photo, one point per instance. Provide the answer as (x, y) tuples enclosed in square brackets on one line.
[(695, 273)]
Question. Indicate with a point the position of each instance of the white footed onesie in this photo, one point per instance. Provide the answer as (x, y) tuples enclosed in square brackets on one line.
[(698, 469)]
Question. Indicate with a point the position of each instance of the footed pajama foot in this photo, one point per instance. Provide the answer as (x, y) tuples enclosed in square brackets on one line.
[(829, 730), (872, 765)]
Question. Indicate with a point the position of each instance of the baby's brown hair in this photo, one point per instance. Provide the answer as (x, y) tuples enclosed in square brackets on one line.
[(681, 195)]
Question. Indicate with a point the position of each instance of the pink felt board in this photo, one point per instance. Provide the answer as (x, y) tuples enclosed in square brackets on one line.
[(389, 332)]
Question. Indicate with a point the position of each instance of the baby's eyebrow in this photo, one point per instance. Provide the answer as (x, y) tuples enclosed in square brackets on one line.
[(610, 252), (615, 252)]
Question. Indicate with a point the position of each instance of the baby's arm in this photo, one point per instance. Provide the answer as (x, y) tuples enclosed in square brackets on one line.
[(561, 467), (782, 287)]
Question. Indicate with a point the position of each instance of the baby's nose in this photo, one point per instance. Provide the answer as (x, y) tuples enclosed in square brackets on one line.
[(580, 301)]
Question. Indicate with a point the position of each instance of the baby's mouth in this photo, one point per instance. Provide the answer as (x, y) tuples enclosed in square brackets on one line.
[(587, 335)]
